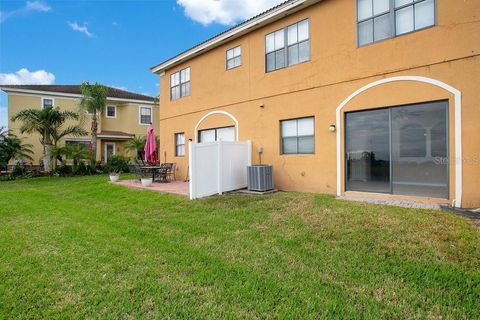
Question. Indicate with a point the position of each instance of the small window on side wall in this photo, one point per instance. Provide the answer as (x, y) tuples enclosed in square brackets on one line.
[(47, 102), (111, 111), (234, 57), (179, 144), (297, 136)]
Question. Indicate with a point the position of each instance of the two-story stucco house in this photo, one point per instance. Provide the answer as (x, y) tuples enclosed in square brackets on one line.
[(376, 98), (127, 115)]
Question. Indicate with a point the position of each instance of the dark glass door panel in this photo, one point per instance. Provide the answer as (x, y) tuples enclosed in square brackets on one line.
[(419, 150), (368, 151)]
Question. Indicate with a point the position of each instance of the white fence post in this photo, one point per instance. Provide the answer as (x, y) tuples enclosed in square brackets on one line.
[(220, 167), (249, 155), (191, 171)]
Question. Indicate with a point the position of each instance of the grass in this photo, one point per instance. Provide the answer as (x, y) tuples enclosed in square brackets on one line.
[(82, 248)]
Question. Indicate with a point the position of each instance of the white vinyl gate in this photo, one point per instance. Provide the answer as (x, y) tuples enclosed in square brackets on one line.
[(217, 167)]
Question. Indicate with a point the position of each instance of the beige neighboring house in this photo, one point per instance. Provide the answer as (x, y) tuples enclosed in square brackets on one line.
[(127, 115)]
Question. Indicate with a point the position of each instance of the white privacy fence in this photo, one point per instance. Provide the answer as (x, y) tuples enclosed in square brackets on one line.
[(217, 167)]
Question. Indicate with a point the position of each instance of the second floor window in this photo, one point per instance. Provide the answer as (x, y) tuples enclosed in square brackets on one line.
[(111, 112), (47, 102), (382, 19), (180, 84), (234, 57), (288, 46), (145, 115), (179, 144)]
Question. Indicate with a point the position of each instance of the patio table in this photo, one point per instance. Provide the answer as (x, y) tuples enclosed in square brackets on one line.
[(157, 170)]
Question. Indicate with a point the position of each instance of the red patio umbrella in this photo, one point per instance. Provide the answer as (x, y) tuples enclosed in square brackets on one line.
[(150, 149)]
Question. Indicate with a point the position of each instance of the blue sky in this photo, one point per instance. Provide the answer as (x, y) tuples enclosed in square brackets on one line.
[(112, 42)]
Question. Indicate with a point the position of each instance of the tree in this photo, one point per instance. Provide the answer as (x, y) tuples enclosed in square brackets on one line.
[(136, 144), (48, 122), (77, 153), (12, 147), (94, 101)]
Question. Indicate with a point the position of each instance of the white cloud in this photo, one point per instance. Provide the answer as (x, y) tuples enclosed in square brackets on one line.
[(24, 76), (83, 29), (37, 6), (30, 7), (226, 12)]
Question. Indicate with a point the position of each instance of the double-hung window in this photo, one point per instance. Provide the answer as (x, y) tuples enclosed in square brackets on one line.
[(382, 19), (180, 84), (145, 115), (179, 144), (287, 46), (47, 102), (297, 136), (111, 111), (234, 57)]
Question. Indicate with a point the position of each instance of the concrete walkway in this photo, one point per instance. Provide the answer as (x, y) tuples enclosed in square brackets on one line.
[(173, 187), (394, 202)]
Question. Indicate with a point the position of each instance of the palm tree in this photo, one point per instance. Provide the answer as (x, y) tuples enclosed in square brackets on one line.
[(12, 147), (47, 122), (77, 153), (94, 101), (136, 144)]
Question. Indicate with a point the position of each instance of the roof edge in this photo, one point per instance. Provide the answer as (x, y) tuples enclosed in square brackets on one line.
[(249, 25), (69, 95)]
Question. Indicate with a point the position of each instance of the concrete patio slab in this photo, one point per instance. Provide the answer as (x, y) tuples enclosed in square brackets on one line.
[(173, 187)]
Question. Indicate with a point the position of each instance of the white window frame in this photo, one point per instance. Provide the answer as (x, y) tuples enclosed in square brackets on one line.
[(177, 145), (233, 57), (140, 115), (47, 98), (180, 83), (106, 113), (286, 46), (392, 18), (114, 150), (282, 153)]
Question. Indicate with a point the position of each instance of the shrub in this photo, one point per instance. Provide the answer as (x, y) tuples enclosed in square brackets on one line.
[(82, 169), (117, 164), (18, 169), (63, 170)]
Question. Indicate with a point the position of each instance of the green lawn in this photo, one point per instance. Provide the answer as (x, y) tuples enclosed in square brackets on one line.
[(82, 248)]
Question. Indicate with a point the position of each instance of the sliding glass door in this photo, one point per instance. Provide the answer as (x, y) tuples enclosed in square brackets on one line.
[(399, 150), (368, 150)]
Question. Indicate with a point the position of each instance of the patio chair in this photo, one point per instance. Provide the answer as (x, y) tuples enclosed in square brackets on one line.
[(171, 171)]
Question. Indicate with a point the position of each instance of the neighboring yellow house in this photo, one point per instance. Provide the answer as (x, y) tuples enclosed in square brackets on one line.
[(376, 98), (127, 115)]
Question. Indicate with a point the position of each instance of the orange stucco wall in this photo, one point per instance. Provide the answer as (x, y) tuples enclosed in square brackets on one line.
[(448, 52)]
